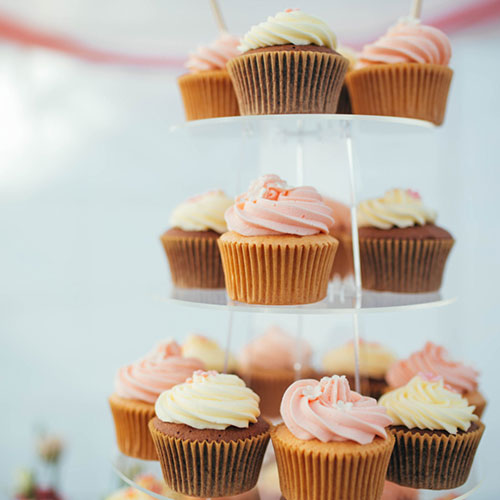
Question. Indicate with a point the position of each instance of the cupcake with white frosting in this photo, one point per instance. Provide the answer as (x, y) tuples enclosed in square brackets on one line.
[(436, 431), (289, 64), (210, 353), (209, 436), (401, 247), (191, 242), (207, 90)]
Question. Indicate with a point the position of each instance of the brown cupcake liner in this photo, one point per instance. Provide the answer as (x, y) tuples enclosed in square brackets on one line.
[(344, 105), (284, 82), (403, 265), (210, 468), (270, 385), (312, 470), (208, 94), (409, 90), (131, 419), (194, 262), (433, 460), (343, 265), (277, 270), (477, 399)]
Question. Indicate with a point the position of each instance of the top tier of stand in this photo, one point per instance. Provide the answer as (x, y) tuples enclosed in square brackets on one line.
[(301, 125)]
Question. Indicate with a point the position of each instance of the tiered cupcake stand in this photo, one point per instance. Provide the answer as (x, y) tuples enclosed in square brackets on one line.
[(322, 151)]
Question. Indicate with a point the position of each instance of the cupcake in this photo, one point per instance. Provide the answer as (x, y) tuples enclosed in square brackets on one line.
[(343, 266), (332, 444), (209, 352), (278, 250), (404, 73), (344, 106), (374, 361), (436, 432), (288, 65), (401, 248), (207, 91), (270, 363), (191, 242), (209, 436), (434, 359), (136, 388)]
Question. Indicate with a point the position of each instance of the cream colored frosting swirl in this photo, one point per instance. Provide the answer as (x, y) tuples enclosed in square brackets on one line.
[(397, 208), (374, 359), (204, 212), (209, 352), (289, 27), (426, 403), (209, 400)]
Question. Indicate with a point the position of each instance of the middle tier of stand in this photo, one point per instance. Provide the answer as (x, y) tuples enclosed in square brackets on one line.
[(340, 300)]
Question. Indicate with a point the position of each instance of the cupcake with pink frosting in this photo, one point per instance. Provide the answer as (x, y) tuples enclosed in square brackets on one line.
[(278, 250), (270, 363), (137, 386), (207, 90), (404, 73), (435, 360), (332, 443)]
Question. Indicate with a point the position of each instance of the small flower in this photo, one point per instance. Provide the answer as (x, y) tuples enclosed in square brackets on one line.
[(49, 448)]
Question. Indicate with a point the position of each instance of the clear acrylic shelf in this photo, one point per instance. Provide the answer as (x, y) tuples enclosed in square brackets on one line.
[(340, 300), (130, 469)]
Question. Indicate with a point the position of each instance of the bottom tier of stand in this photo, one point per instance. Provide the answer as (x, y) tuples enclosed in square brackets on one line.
[(146, 477)]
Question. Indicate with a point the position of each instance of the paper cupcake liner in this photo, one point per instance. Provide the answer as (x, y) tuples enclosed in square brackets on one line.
[(477, 399), (343, 265), (194, 262), (270, 385), (344, 105), (208, 94), (131, 424), (410, 90), (312, 470), (433, 461), (403, 265), (210, 468), (284, 82), (277, 270)]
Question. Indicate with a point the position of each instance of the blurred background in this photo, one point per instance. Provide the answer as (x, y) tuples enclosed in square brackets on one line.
[(89, 174)]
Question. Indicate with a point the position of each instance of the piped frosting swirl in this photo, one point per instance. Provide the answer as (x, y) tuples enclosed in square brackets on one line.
[(289, 27), (409, 41), (397, 208), (161, 369), (426, 403), (328, 410), (433, 359), (209, 400), (204, 212), (213, 56), (270, 207), (209, 352)]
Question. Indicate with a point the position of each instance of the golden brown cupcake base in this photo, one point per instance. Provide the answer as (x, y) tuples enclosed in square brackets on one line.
[(403, 264), (208, 94), (343, 266), (312, 470), (410, 90), (277, 270), (207, 463), (288, 79), (131, 419), (433, 460), (194, 258)]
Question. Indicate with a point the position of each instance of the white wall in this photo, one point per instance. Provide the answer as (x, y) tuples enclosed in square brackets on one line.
[(88, 176)]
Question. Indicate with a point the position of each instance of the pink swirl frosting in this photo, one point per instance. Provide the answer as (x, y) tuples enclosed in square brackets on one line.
[(270, 207), (275, 350), (408, 42), (215, 55), (329, 411), (433, 360), (158, 371)]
